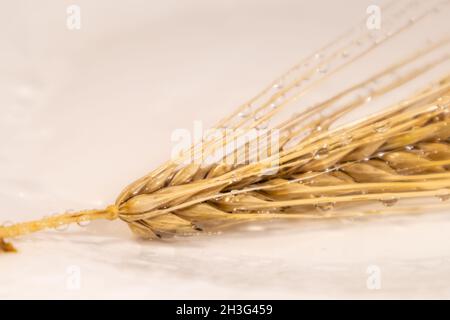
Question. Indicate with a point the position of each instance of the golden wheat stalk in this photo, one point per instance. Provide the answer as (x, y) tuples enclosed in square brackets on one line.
[(402, 153), (313, 172)]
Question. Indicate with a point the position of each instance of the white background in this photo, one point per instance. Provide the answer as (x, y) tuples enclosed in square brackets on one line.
[(83, 113)]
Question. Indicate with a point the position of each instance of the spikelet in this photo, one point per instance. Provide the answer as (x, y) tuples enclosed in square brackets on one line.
[(315, 169)]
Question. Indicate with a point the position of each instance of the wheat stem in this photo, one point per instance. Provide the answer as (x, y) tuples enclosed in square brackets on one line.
[(55, 221)]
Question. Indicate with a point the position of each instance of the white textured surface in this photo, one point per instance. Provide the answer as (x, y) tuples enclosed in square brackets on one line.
[(83, 113)]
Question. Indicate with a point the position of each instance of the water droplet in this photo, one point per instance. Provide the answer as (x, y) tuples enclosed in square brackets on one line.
[(381, 127), (228, 198), (444, 108), (278, 86), (7, 224), (61, 227), (378, 41), (409, 148), (321, 153), (444, 197), (322, 69), (389, 33), (234, 179), (262, 126), (318, 56), (345, 139), (389, 202), (366, 93), (327, 206), (245, 112), (84, 222)]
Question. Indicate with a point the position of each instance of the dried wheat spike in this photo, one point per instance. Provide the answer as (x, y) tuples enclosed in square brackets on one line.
[(399, 153), (403, 152)]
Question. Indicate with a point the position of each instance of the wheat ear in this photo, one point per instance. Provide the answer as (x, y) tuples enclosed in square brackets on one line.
[(402, 152)]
